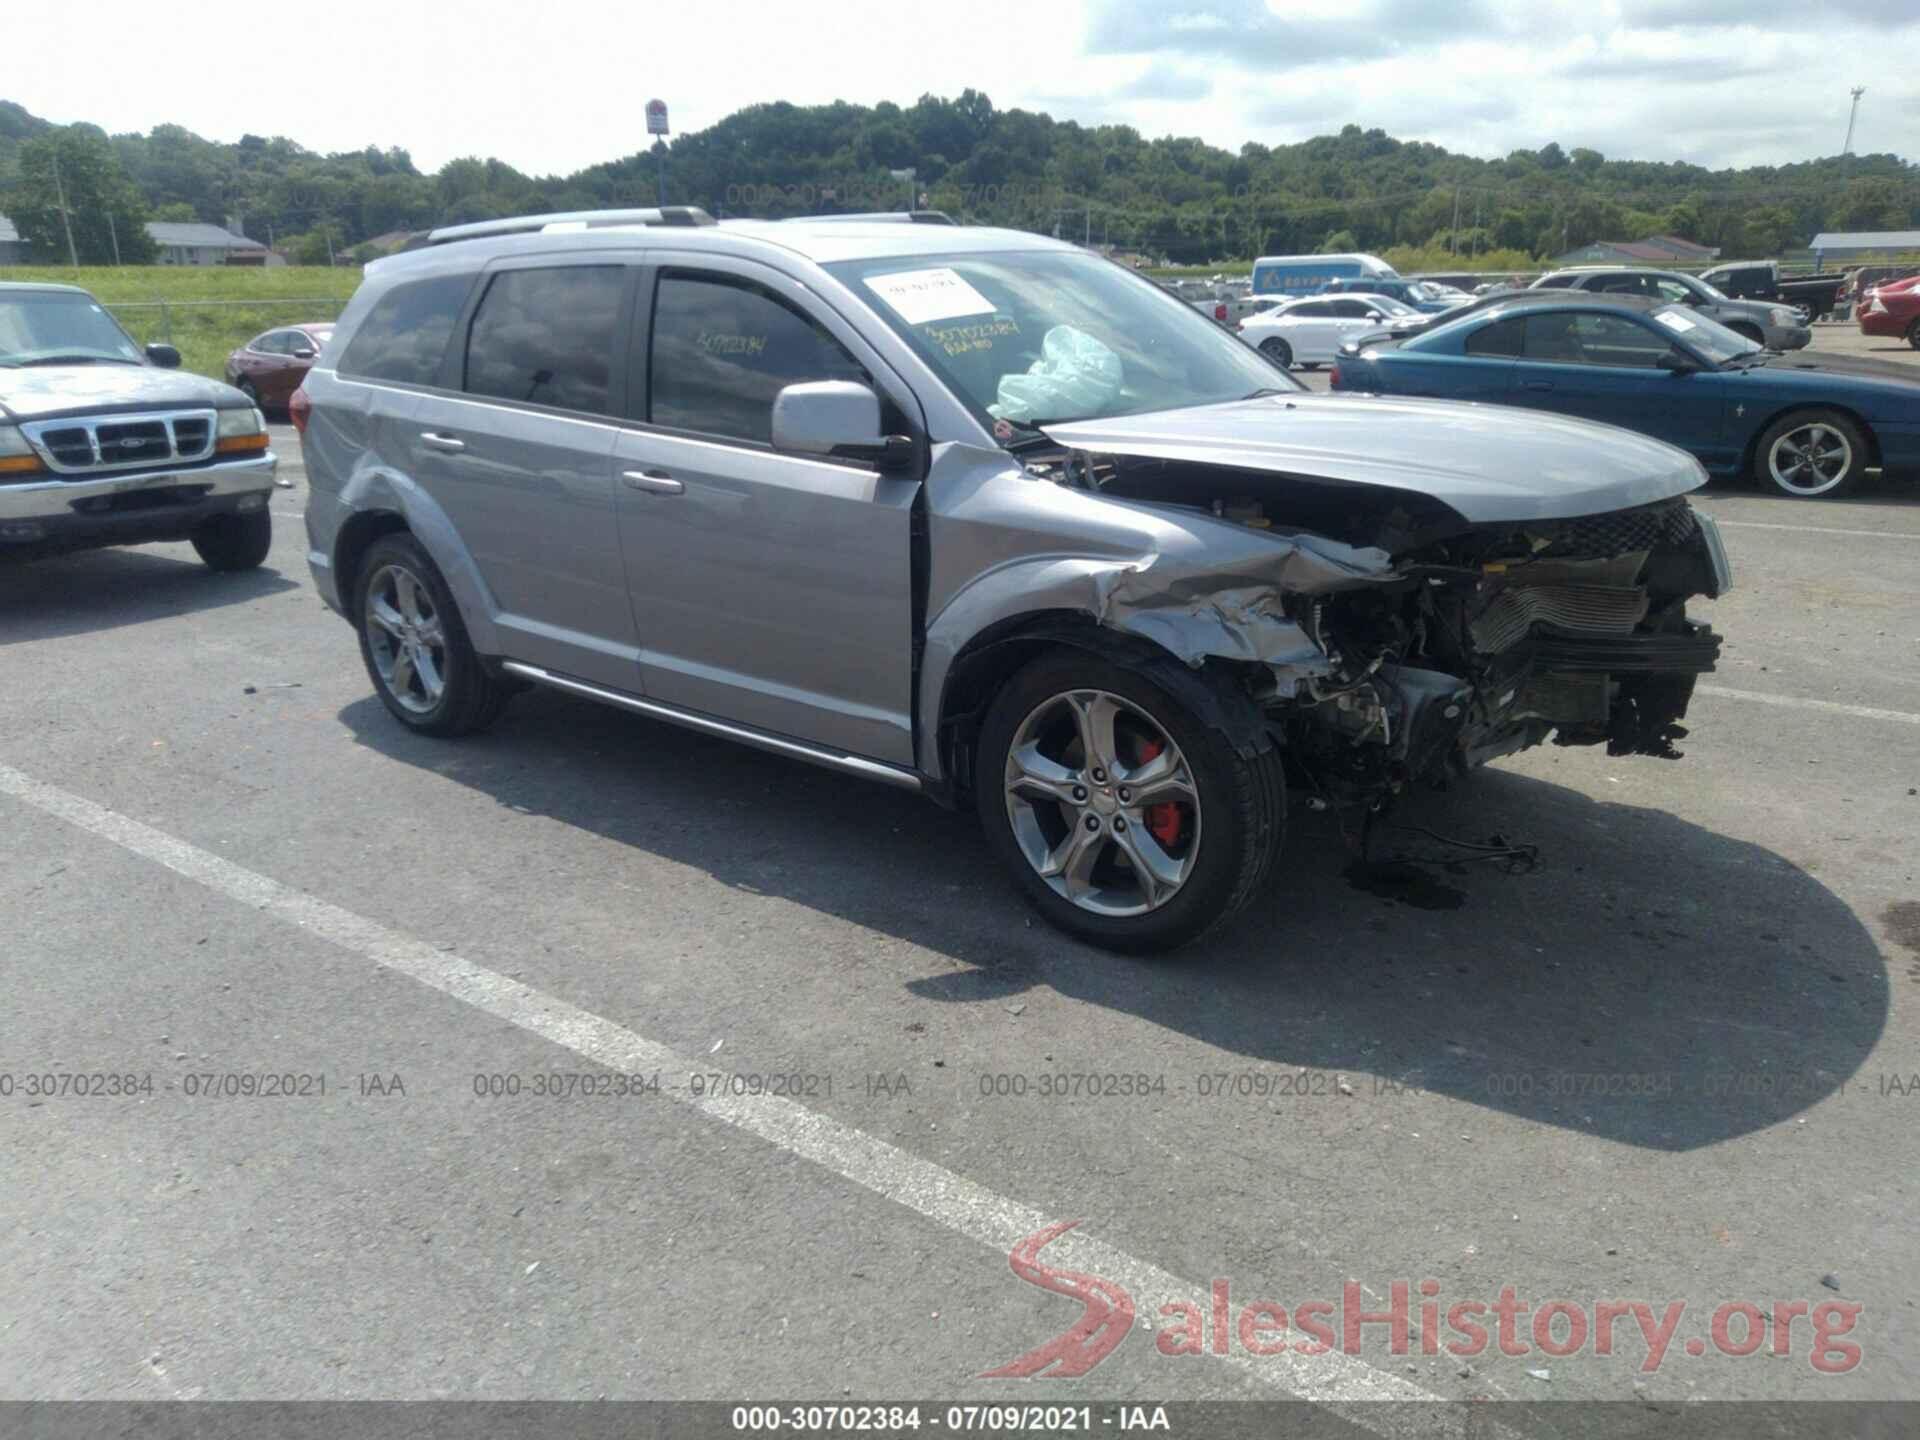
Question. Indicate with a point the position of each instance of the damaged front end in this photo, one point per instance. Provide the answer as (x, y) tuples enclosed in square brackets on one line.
[(1398, 641)]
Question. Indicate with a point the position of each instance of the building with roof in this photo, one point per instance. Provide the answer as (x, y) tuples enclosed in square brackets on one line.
[(13, 250), (1654, 250), (182, 243), (1864, 244)]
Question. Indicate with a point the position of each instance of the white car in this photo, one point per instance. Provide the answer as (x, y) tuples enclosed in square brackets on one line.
[(1308, 332)]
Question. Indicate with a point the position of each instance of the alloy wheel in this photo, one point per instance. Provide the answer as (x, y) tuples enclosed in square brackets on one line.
[(406, 638), (1102, 803), (1811, 459)]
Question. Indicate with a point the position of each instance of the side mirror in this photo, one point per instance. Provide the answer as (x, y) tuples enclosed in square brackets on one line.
[(163, 356), (835, 418), (1375, 315), (305, 352), (1677, 363)]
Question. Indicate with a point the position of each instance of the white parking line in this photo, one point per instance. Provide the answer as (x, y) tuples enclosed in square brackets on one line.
[(1817, 530), (1796, 702), (1337, 1381)]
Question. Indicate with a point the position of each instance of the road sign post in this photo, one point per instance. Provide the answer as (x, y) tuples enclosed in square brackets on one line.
[(657, 127)]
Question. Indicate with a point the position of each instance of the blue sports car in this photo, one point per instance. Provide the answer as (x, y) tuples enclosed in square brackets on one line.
[(1806, 425)]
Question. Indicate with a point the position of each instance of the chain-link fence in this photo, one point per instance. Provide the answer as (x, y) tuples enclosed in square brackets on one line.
[(205, 332)]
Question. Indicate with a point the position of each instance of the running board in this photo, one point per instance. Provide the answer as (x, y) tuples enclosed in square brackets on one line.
[(692, 720)]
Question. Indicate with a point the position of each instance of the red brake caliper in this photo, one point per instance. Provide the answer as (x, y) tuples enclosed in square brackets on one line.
[(1163, 820)]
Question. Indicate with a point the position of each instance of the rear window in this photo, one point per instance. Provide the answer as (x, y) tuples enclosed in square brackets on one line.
[(547, 337), (404, 337)]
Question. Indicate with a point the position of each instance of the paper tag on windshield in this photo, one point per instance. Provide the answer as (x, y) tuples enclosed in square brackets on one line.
[(920, 297), (1674, 321)]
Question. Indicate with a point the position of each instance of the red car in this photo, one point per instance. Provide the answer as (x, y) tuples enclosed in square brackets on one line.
[(270, 367), (1892, 309)]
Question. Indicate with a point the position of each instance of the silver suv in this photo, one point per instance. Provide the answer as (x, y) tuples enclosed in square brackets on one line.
[(984, 516), (1778, 327)]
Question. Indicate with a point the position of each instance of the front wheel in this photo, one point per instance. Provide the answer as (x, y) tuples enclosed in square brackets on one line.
[(1278, 351), (1913, 335), (234, 541), (1125, 819), (1811, 455)]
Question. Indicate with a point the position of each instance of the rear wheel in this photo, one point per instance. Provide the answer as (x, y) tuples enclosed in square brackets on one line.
[(1749, 332), (415, 647), (234, 542), (1913, 335), (1125, 819), (1811, 455), (1278, 351)]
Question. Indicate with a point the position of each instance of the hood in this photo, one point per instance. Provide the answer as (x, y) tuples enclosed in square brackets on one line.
[(1488, 463), (43, 392), (1860, 367), (1760, 310)]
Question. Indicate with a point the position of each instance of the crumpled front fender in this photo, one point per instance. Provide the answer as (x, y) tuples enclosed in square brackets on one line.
[(1219, 597)]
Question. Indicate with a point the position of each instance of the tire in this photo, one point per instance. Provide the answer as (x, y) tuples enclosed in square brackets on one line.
[(411, 636), (1811, 455), (1207, 850), (1278, 351), (245, 387), (1749, 332), (234, 541), (1913, 335)]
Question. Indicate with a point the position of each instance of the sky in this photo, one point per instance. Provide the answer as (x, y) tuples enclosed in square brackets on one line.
[(555, 86)]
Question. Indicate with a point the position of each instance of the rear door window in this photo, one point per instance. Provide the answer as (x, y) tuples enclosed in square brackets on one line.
[(723, 348), (404, 337), (1503, 337), (546, 337)]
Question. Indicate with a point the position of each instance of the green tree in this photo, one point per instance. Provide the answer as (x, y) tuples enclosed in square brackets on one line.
[(104, 214)]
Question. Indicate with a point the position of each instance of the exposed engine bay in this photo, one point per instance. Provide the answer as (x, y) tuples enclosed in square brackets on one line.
[(1478, 640)]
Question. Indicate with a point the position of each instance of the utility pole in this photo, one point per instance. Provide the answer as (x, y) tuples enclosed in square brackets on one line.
[(113, 233), (1453, 235), (1858, 91), (60, 191)]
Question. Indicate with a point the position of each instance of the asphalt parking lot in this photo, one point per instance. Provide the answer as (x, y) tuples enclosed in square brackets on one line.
[(1678, 1062)]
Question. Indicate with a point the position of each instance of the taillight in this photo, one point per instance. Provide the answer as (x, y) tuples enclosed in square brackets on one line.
[(1333, 376), (299, 408), (1220, 313)]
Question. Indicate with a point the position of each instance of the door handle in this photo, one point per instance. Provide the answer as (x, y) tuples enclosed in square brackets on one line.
[(1536, 384), (445, 444), (654, 482)]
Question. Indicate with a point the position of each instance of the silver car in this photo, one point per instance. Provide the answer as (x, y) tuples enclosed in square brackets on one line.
[(984, 516)]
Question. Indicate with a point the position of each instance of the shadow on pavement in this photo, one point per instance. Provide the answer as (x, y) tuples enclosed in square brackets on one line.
[(1652, 982), (110, 589)]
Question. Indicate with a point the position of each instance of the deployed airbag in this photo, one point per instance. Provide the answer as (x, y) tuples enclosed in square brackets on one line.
[(1075, 375)]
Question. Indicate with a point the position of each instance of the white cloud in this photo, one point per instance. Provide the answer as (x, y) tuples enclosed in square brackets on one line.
[(555, 86)]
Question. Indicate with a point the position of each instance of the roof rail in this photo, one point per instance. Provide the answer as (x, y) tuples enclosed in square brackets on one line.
[(890, 217), (559, 221)]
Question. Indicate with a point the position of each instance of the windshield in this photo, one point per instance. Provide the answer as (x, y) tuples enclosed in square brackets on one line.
[(1709, 337), (1390, 305), (1035, 337), (40, 327)]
